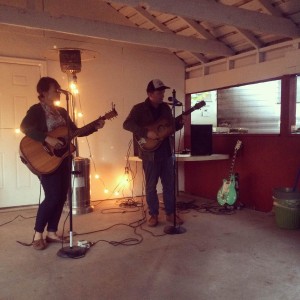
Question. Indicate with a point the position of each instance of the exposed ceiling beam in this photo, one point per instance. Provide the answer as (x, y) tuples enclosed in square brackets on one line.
[(100, 30), (203, 32), (198, 28), (248, 35), (143, 12), (250, 38), (269, 8), (220, 14), (200, 57)]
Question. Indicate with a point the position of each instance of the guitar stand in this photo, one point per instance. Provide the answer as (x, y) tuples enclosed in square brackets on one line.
[(176, 228)]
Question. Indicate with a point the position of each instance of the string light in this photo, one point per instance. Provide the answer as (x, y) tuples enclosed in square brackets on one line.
[(97, 177), (17, 130), (73, 85), (125, 180), (79, 114)]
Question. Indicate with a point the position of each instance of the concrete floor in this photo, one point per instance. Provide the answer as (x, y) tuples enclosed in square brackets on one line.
[(239, 256)]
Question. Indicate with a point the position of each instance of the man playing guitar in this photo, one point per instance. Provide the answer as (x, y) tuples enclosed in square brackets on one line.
[(148, 121)]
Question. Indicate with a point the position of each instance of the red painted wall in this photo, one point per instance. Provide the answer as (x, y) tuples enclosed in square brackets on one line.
[(263, 162)]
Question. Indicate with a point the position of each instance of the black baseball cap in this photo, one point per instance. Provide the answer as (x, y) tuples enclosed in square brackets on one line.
[(156, 85)]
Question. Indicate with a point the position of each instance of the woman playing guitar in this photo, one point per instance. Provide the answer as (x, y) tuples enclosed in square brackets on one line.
[(40, 120)]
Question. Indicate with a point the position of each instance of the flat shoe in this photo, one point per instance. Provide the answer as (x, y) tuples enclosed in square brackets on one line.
[(39, 244), (59, 239)]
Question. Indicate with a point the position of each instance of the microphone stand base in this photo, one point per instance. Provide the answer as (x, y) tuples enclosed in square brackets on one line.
[(72, 252), (174, 230)]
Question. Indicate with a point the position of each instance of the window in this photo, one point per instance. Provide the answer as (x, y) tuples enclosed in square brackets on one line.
[(208, 113), (298, 104), (251, 108)]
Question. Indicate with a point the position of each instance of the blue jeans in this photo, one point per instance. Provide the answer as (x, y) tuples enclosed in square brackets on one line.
[(56, 187), (154, 170)]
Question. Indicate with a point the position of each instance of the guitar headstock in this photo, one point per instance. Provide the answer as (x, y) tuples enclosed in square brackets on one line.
[(199, 104), (238, 145), (111, 114)]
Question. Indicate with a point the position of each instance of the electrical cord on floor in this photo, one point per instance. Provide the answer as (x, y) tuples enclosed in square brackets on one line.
[(125, 242), (207, 207), (18, 216), (27, 244), (129, 202), (117, 210), (129, 241)]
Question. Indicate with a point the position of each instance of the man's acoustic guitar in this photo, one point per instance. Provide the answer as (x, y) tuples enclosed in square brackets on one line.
[(163, 128)]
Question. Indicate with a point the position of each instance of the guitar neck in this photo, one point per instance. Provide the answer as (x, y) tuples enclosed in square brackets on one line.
[(232, 165), (189, 111), (85, 129)]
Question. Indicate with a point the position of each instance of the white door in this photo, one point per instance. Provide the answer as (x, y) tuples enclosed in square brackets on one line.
[(18, 186)]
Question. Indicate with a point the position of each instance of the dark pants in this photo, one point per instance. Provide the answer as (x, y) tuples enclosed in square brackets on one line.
[(153, 171), (56, 187)]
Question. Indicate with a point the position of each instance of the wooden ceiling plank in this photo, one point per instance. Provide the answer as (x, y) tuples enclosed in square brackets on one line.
[(101, 30), (200, 57), (152, 19), (220, 14), (249, 36), (269, 8), (198, 28)]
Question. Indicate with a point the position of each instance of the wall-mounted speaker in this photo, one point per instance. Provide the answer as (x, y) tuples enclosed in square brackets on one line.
[(201, 139)]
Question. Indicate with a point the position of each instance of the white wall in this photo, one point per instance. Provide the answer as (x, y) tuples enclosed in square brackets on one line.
[(267, 63), (118, 74)]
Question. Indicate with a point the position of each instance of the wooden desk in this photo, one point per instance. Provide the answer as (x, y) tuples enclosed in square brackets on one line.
[(188, 157)]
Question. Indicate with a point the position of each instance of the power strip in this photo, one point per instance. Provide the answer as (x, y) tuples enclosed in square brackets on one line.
[(84, 244)]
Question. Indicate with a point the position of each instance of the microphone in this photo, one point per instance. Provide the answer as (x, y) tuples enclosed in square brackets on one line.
[(173, 100), (63, 91), (176, 102)]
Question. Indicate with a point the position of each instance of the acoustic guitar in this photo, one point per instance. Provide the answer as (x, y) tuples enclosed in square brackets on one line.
[(163, 129), (41, 158), (227, 193)]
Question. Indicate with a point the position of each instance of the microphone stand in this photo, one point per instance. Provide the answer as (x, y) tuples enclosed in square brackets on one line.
[(71, 251), (175, 229)]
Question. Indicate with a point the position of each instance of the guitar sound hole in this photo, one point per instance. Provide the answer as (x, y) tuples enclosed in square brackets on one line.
[(60, 152)]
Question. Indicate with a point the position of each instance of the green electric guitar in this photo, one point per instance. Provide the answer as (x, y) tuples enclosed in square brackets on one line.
[(227, 192)]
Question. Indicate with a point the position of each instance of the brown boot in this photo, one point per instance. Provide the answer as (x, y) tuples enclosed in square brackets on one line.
[(170, 218), (39, 244), (153, 221)]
